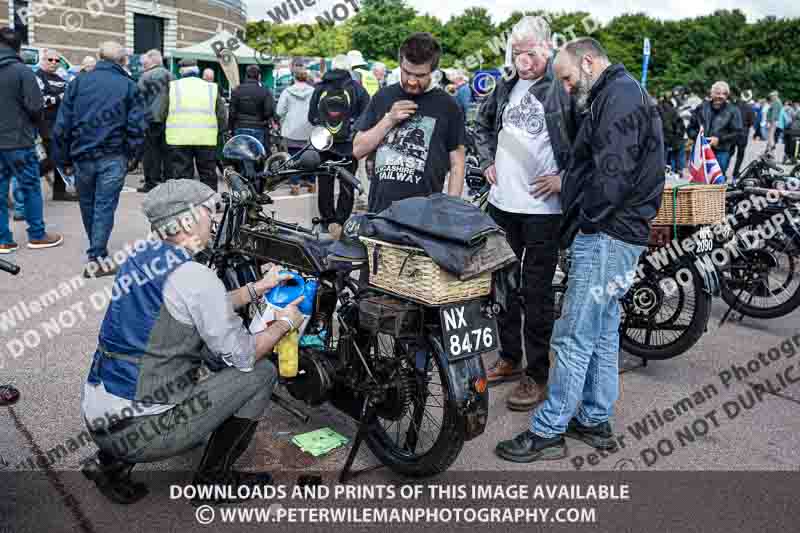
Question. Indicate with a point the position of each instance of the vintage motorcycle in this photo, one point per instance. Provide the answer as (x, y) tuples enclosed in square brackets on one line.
[(764, 172), (383, 359), (762, 280)]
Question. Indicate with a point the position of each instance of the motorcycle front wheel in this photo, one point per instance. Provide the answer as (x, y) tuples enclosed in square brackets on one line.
[(417, 430), (764, 283)]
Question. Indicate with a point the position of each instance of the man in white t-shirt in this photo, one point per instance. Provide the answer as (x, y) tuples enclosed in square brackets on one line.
[(523, 134)]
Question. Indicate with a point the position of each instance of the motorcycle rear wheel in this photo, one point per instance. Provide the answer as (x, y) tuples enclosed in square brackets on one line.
[(389, 439), (657, 325)]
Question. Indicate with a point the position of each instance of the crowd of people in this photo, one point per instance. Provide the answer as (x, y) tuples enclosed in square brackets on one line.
[(728, 122), (542, 138)]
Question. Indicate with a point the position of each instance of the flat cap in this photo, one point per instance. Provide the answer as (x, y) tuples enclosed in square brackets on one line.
[(175, 197)]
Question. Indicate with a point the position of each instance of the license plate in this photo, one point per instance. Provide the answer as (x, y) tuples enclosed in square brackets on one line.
[(704, 246), (467, 330)]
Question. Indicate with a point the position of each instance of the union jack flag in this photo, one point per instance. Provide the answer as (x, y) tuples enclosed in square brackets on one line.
[(704, 166)]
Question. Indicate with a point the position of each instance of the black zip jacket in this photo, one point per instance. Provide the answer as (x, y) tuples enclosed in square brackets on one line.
[(252, 106), (22, 102), (559, 111), (674, 128), (726, 125), (615, 178)]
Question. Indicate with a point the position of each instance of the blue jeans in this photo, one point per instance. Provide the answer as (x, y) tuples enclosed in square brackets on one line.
[(724, 159), (677, 159), (21, 166), (586, 337), (99, 183), (19, 198)]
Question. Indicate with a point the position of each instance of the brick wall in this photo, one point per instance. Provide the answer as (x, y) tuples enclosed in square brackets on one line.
[(75, 28)]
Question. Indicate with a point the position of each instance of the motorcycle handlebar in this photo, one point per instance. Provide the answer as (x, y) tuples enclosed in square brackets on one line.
[(347, 176), (768, 162), (11, 268)]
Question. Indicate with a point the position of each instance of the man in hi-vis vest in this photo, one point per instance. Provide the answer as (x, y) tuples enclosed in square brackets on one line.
[(195, 114)]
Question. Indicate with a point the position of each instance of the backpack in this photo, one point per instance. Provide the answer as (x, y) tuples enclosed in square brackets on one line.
[(369, 81), (336, 109)]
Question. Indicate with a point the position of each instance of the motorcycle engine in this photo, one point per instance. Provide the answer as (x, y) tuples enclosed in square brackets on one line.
[(314, 381)]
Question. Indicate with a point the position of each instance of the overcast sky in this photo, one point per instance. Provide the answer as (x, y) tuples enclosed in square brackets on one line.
[(501, 9)]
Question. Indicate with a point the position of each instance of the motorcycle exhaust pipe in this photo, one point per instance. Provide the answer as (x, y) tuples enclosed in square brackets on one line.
[(291, 409)]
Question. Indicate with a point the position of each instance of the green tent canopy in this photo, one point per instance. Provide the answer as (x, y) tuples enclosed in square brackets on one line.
[(205, 56)]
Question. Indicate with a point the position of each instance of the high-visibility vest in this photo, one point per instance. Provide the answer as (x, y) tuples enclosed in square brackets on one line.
[(192, 118), (369, 81)]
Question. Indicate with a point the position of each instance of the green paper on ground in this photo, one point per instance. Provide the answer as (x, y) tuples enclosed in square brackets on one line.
[(319, 442)]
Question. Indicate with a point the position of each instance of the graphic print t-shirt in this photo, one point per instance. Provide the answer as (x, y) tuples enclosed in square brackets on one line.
[(414, 157), (524, 152)]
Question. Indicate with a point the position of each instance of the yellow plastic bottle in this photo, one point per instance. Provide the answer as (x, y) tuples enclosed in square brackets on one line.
[(288, 355)]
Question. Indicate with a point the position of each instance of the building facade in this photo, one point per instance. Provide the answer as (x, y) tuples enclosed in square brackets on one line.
[(76, 27)]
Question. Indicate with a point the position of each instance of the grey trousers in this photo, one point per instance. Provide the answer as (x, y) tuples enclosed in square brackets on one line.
[(227, 393)]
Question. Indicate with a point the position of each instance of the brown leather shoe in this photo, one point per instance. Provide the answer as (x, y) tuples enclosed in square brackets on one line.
[(501, 371), (8, 248), (50, 240), (312, 187), (527, 395)]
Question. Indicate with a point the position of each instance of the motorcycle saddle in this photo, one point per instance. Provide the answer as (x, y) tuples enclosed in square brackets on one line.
[(351, 251)]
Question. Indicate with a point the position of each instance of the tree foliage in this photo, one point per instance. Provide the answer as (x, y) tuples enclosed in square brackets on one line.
[(694, 52)]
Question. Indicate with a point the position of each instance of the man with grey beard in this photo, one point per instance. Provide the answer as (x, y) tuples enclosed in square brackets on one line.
[(610, 192)]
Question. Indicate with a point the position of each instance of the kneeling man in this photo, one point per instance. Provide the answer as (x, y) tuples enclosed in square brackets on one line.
[(170, 317)]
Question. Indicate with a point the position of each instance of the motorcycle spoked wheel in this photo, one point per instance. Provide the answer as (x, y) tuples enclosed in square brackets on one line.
[(657, 324), (423, 435), (755, 287)]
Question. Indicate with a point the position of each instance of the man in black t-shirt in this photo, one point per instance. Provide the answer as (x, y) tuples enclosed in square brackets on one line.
[(416, 130)]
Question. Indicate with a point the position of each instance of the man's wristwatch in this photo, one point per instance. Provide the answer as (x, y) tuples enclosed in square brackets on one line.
[(253, 294), (288, 321)]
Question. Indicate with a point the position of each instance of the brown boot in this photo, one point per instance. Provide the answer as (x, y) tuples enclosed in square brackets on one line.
[(50, 240), (503, 370), (527, 395)]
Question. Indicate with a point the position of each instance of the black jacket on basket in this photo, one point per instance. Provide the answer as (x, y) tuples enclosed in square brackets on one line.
[(457, 236), (616, 176), (252, 106), (726, 124)]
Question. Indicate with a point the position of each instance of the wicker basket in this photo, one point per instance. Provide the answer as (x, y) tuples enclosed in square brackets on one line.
[(693, 205), (408, 271)]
